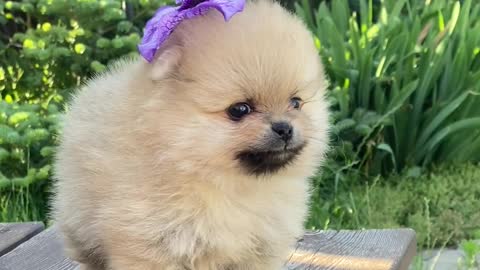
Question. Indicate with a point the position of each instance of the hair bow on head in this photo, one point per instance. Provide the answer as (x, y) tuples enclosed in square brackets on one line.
[(162, 24)]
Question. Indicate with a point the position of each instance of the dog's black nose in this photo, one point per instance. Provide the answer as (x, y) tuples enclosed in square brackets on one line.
[(283, 129)]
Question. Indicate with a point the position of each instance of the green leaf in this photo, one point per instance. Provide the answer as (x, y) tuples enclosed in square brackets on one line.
[(47, 151), (363, 129), (464, 124), (102, 43), (401, 98), (35, 135), (454, 18), (43, 173), (29, 44), (345, 124), (26, 7), (464, 17), (43, 55), (97, 66), (9, 5), (399, 5), (8, 98), (18, 117), (340, 13), (13, 138), (441, 22), (61, 52), (385, 147), (79, 48), (117, 43), (440, 118), (307, 13), (124, 26), (4, 154), (46, 27)]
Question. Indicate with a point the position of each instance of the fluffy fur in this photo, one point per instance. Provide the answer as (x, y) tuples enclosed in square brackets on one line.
[(148, 168)]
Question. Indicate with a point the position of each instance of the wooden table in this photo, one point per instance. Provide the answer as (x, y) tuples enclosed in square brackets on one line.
[(27, 246)]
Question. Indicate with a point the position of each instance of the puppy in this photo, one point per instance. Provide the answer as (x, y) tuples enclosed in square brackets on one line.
[(200, 159)]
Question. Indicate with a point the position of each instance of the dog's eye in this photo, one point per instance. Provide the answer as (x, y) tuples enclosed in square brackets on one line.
[(296, 103), (239, 110)]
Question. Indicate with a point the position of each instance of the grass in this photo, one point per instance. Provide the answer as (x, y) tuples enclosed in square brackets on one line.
[(23, 204), (441, 206)]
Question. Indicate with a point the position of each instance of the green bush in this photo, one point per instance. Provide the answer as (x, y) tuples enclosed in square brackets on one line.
[(47, 49), (405, 88), (442, 206), (27, 136)]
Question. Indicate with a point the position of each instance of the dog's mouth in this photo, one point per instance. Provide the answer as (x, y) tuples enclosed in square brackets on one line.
[(260, 162)]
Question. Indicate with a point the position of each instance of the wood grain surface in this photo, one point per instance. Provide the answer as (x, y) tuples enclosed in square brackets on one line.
[(355, 250), (323, 250), (13, 234), (42, 252)]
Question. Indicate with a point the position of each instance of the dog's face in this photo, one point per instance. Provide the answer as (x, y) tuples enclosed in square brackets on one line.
[(246, 97), (280, 137)]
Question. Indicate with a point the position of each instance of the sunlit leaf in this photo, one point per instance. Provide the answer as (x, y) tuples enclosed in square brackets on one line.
[(79, 48)]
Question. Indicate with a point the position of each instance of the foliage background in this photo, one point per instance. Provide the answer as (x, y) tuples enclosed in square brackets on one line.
[(405, 80), (47, 49)]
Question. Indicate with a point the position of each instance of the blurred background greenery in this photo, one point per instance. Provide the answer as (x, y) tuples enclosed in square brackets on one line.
[(405, 92)]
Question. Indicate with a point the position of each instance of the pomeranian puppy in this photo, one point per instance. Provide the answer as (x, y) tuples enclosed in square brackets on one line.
[(199, 160)]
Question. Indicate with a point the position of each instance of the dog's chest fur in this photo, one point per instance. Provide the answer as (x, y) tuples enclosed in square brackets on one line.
[(230, 228)]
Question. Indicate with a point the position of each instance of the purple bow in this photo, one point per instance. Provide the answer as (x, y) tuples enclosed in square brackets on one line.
[(162, 24)]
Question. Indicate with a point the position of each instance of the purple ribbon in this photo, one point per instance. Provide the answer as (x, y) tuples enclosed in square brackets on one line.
[(162, 24)]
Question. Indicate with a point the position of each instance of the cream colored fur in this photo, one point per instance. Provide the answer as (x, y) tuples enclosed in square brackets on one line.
[(146, 169)]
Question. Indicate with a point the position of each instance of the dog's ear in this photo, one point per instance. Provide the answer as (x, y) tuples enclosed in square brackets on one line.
[(166, 62)]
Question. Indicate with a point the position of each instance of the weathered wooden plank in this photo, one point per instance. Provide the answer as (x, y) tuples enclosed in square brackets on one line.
[(355, 250), (332, 250), (13, 234), (42, 252)]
